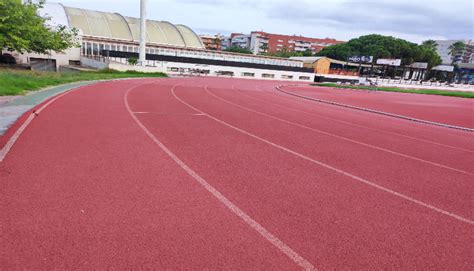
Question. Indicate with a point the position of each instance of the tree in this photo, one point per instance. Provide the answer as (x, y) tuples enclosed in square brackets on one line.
[(264, 47), (455, 50), (238, 49), (380, 46), (430, 44), (22, 29), (132, 61)]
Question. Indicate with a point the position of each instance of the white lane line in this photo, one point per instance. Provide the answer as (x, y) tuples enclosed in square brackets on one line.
[(467, 129), (6, 149), (337, 136), (424, 128), (167, 114), (362, 180), (227, 203), (350, 124)]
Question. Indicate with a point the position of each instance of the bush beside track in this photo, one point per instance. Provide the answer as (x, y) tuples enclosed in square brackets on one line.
[(18, 82), (461, 94)]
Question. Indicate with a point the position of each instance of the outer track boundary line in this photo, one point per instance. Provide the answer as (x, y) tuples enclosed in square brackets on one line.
[(280, 245), (466, 129), (347, 174), (6, 149), (240, 91)]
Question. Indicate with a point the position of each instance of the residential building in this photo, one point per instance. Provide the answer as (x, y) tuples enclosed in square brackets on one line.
[(263, 42), (212, 42)]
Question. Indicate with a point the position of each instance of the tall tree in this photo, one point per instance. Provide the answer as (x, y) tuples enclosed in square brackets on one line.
[(22, 29), (430, 44), (455, 50)]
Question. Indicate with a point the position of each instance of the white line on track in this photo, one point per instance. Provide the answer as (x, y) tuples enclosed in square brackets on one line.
[(337, 136), (449, 126), (349, 123), (303, 263), (4, 151), (347, 174), (301, 100)]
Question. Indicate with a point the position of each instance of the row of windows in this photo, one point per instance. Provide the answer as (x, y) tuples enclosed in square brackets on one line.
[(231, 73), (94, 49)]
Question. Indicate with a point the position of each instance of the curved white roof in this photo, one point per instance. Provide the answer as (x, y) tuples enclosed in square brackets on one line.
[(115, 26)]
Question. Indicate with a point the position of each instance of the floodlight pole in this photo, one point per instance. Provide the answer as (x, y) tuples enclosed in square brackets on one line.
[(142, 52)]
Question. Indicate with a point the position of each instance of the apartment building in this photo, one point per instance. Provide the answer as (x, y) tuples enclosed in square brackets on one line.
[(262, 42)]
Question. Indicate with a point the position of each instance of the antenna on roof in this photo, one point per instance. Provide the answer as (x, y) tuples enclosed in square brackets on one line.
[(142, 54)]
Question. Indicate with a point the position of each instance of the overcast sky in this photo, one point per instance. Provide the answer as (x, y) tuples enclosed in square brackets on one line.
[(414, 20)]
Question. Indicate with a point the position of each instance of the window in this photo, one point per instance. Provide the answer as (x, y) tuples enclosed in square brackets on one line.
[(101, 48), (95, 49), (225, 73), (88, 48), (172, 69), (248, 74), (113, 47), (268, 75), (284, 76), (84, 48), (305, 78)]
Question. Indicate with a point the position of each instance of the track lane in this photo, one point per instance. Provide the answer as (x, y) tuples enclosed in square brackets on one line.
[(72, 204), (328, 228), (414, 129), (442, 109), (85, 188), (383, 169), (398, 148), (282, 103)]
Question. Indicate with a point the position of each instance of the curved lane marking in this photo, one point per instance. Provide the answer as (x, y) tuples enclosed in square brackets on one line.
[(347, 174), (339, 137), (240, 91), (303, 263), (466, 129)]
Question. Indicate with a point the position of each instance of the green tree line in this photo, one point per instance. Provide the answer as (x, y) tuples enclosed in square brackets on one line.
[(380, 46)]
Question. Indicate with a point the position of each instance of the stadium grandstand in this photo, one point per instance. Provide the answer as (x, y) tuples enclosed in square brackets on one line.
[(110, 40)]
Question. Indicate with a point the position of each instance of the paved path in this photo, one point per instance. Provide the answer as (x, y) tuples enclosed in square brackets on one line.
[(231, 174)]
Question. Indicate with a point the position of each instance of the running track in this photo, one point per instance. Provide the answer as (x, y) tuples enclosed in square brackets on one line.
[(232, 174)]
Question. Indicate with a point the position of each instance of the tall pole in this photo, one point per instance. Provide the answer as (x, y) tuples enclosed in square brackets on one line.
[(142, 56)]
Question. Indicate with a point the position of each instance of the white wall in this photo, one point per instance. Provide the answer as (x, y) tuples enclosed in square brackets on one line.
[(238, 71)]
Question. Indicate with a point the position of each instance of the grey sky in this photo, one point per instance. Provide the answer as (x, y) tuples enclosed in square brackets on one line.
[(414, 20)]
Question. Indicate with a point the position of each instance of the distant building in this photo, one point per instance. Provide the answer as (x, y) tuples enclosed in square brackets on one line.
[(212, 42), (262, 42), (467, 56)]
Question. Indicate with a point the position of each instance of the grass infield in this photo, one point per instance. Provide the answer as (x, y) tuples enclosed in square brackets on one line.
[(18, 82), (463, 94)]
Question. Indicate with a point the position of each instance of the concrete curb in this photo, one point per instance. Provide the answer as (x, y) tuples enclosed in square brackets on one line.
[(280, 88)]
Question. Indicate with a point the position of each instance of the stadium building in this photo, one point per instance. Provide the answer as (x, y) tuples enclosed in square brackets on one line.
[(110, 40)]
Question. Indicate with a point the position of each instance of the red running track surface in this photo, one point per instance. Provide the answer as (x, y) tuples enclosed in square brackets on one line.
[(442, 109), (231, 174)]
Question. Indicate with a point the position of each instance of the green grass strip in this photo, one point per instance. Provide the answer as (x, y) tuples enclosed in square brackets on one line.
[(18, 82), (462, 94)]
